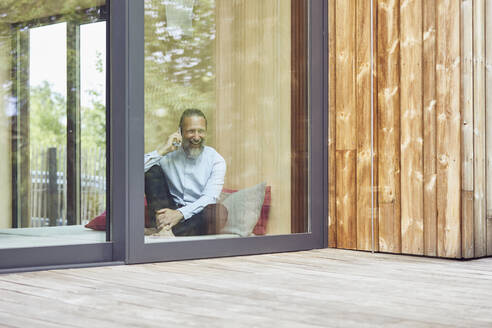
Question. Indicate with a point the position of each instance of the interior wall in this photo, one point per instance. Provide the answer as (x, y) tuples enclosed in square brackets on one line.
[(254, 99), (429, 119), (5, 141)]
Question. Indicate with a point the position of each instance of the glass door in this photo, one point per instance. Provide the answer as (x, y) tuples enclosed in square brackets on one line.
[(52, 127), (227, 115)]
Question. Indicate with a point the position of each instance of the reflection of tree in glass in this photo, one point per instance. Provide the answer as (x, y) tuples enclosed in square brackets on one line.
[(93, 117), (179, 69), (28, 11), (48, 119)]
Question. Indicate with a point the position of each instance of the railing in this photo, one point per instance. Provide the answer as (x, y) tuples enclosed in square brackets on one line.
[(49, 196)]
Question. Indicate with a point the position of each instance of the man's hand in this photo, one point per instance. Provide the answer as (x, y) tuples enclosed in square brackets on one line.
[(172, 143), (167, 218)]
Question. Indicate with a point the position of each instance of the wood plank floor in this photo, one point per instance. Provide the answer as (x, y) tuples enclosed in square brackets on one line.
[(319, 288)]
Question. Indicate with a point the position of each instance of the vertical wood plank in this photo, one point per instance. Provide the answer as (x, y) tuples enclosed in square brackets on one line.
[(467, 128), (345, 67), (332, 219), (363, 105), (429, 117), (479, 206), (448, 127), (488, 121), (374, 77), (346, 206), (412, 193), (346, 124), (388, 69)]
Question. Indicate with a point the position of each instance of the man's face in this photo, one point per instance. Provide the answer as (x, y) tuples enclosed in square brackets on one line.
[(194, 131)]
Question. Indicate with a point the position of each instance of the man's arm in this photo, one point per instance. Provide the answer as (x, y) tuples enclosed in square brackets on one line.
[(211, 192), (153, 158)]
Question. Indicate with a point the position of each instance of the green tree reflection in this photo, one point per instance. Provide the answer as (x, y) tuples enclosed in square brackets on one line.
[(179, 69)]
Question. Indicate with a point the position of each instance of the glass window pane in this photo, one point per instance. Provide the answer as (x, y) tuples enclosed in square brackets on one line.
[(47, 116), (236, 163), (93, 119), (52, 122)]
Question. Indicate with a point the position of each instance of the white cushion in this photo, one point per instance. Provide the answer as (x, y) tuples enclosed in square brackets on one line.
[(244, 207)]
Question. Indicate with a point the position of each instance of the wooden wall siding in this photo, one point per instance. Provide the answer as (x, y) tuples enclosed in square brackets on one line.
[(374, 187), (332, 223), (388, 129), (346, 120), (349, 139), (411, 143), (488, 109), (467, 181), (433, 153), (448, 128), (476, 141), (363, 108), (429, 130), (479, 206)]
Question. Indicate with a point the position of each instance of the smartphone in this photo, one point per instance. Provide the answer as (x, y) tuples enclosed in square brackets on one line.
[(177, 143)]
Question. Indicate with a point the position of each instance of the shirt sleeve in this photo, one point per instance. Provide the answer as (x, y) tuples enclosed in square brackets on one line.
[(151, 159), (211, 192)]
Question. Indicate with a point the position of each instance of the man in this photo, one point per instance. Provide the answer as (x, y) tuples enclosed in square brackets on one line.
[(183, 181)]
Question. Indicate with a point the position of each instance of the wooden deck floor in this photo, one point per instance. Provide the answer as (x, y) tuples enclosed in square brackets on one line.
[(320, 288)]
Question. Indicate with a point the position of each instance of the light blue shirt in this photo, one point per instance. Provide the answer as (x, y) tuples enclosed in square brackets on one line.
[(193, 183)]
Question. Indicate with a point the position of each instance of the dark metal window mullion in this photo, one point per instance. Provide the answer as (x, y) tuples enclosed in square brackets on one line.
[(105, 14), (73, 123)]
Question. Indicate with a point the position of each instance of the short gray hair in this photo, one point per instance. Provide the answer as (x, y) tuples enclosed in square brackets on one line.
[(191, 112)]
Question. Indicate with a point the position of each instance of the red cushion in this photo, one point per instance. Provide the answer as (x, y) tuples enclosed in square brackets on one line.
[(99, 222), (260, 227)]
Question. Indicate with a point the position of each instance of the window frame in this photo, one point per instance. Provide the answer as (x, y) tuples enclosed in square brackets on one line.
[(125, 136), (138, 250), (72, 255)]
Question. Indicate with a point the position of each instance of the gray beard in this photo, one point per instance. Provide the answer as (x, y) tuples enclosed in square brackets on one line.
[(193, 153)]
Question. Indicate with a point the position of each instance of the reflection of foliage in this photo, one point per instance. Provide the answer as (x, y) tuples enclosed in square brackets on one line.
[(179, 69), (22, 11), (47, 117), (48, 121), (93, 118), (93, 123)]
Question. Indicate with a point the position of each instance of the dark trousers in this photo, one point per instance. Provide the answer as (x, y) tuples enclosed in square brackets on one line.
[(209, 221)]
